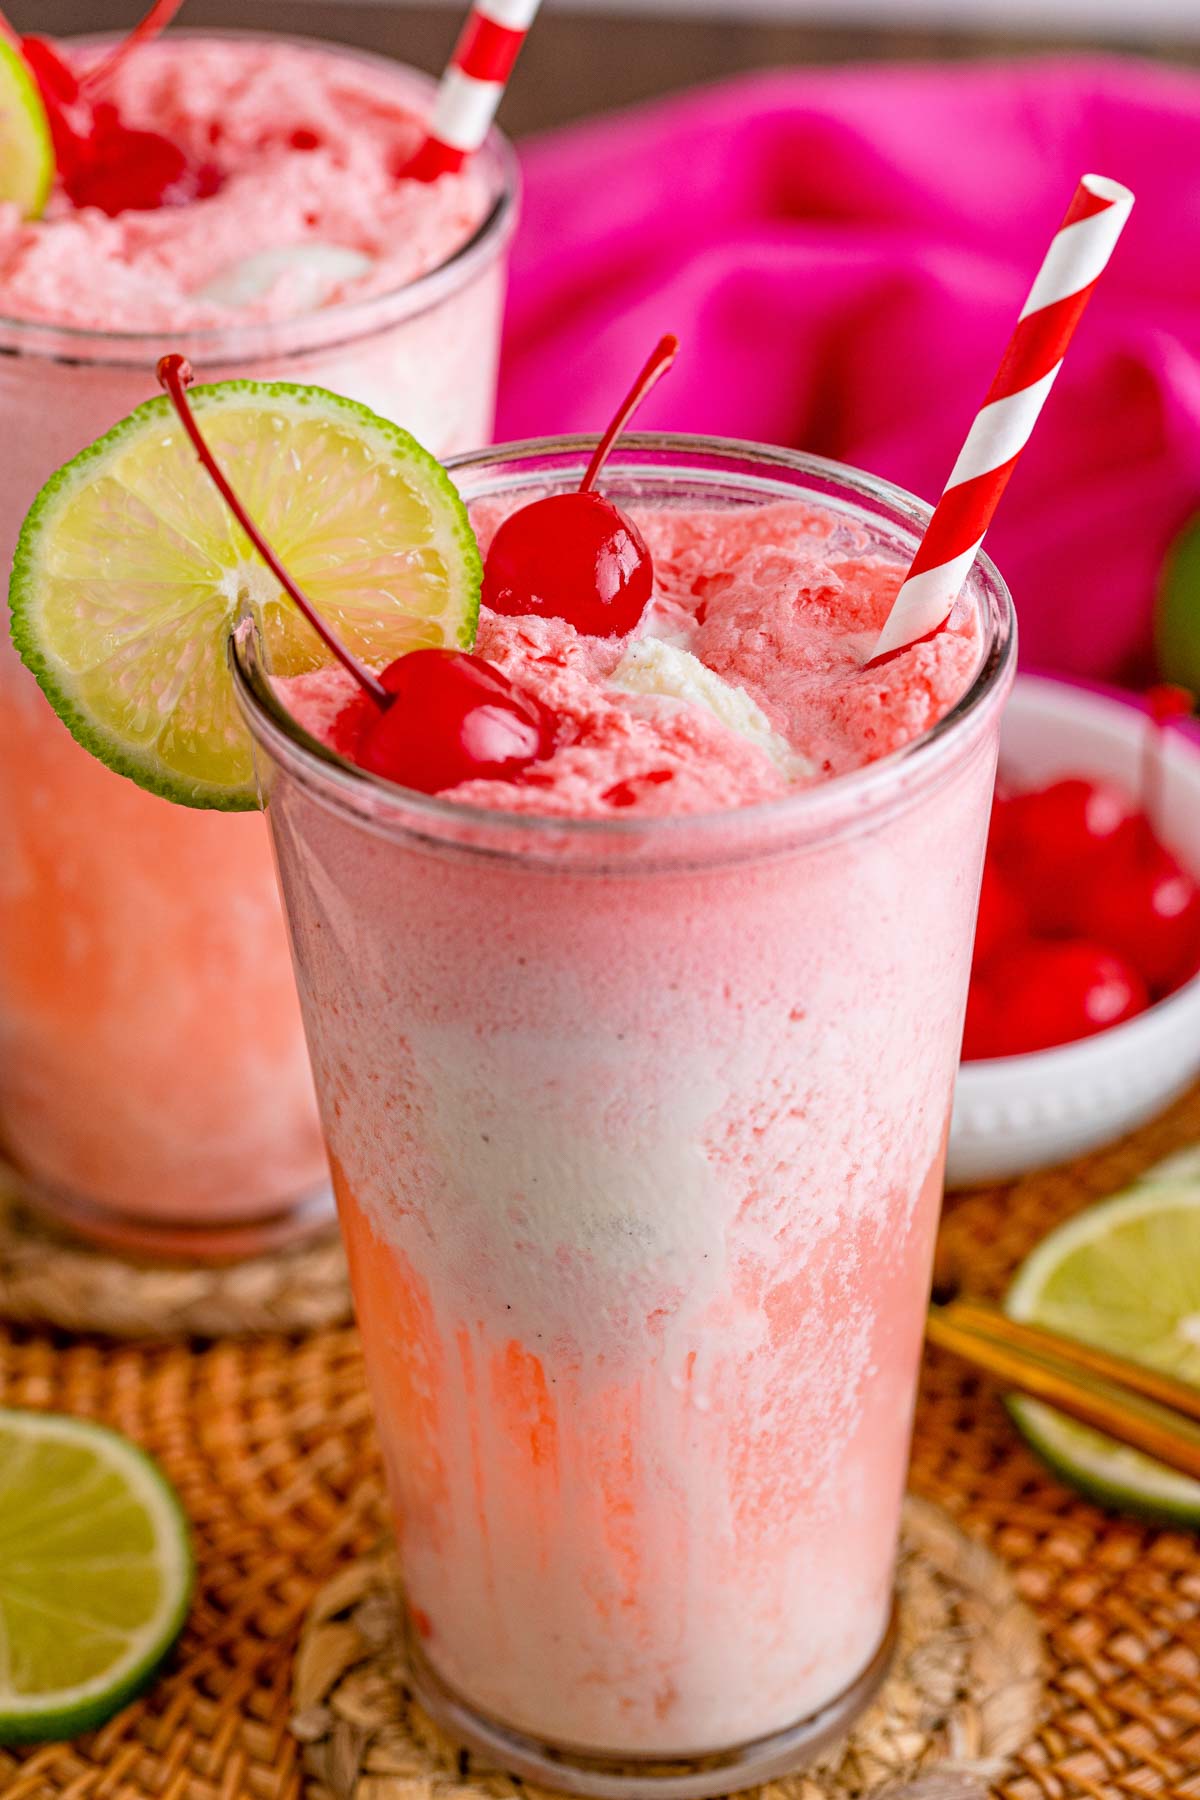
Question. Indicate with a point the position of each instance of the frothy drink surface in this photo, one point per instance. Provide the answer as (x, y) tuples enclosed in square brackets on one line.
[(745, 680), (305, 141)]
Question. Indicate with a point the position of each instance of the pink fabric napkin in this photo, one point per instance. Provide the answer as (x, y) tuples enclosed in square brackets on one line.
[(844, 253)]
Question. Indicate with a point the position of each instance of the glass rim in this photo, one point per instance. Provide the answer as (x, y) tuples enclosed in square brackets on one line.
[(252, 340), (356, 788)]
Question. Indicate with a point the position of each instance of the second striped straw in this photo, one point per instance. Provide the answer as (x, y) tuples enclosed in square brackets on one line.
[(473, 85), (1074, 263)]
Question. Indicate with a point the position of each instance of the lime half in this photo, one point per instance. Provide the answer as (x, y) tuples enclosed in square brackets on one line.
[(131, 571), (95, 1574), (1124, 1276), (26, 147)]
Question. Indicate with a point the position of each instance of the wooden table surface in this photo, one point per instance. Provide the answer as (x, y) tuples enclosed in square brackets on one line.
[(578, 63)]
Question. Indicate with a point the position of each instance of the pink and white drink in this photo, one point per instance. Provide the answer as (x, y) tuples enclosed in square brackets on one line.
[(153, 1082), (636, 1075)]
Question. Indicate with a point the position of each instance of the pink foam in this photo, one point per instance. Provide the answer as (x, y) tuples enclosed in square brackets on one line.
[(782, 601), (239, 105)]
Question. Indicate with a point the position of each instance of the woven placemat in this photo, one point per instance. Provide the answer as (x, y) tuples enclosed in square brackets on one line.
[(962, 1694), (269, 1442), (47, 1278)]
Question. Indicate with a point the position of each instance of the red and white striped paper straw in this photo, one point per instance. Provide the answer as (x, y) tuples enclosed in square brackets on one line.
[(1074, 263), (473, 85)]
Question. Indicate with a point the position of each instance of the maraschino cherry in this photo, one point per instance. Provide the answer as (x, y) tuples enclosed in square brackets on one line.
[(101, 161), (1085, 917), (1059, 841), (1037, 993), (452, 718), (1149, 910), (430, 720), (1003, 913), (577, 556), (1150, 914)]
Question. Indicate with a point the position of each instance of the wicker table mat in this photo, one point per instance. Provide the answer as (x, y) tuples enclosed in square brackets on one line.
[(962, 1695), (47, 1278), (269, 1442)]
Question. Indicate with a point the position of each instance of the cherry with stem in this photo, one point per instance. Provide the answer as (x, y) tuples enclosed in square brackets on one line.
[(102, 161), (175, 377), (576, 556), (656, 366)]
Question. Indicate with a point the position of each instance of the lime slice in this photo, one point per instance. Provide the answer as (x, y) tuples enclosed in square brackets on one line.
[(1124, 1276), (1177, 616), (131, 571), (95, 1574), (26, 147)]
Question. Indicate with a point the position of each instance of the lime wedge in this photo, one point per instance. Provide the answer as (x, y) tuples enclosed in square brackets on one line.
[(95, 1574), (1124, 1276), (1177, 614), (26, 147), (131, 571)]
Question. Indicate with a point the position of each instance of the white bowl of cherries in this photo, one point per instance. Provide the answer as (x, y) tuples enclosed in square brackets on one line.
[(1084, 1014)]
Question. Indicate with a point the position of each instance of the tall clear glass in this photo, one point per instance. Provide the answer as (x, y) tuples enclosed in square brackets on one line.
[(154, 1089), (638, 1130)]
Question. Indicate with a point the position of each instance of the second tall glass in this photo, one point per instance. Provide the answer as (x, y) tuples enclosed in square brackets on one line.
[(154, 1089)]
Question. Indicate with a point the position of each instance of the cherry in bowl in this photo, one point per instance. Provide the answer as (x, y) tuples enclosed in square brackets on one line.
[(1085, 919)]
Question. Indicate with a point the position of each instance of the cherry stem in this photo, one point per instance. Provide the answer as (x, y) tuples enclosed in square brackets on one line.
[(175, 376), (156, 20), (664, 355), (1164, 704)]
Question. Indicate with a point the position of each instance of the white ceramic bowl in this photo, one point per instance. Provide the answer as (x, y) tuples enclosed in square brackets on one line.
[(1024, 1112)]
